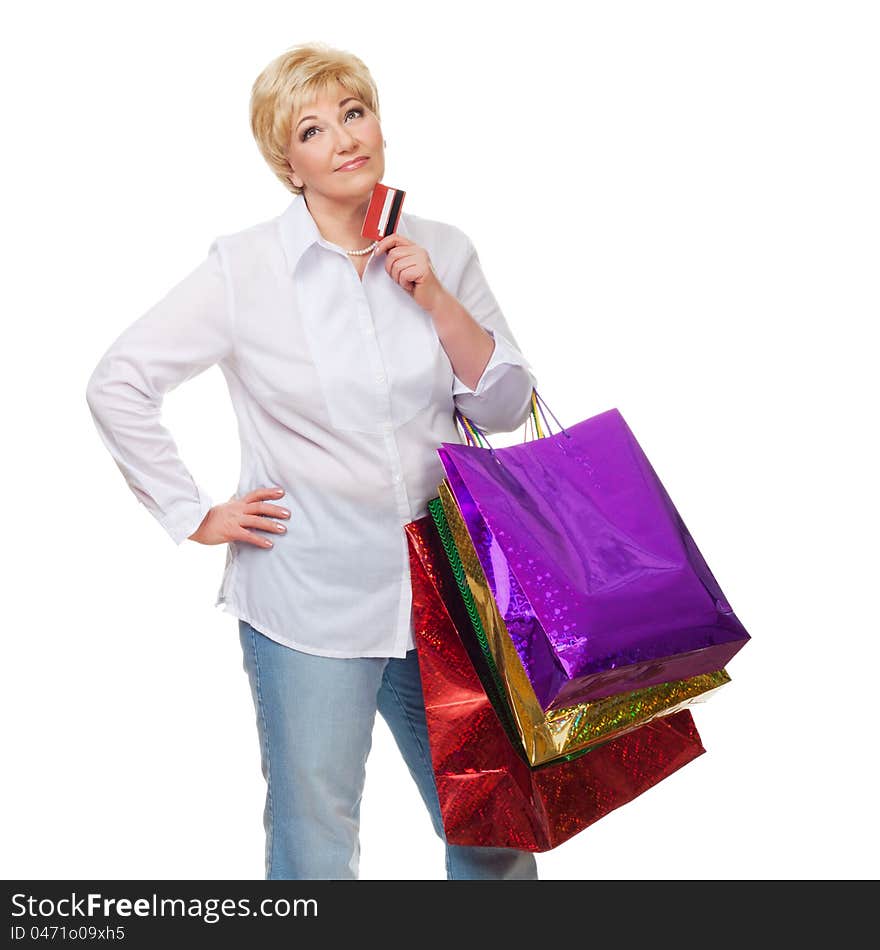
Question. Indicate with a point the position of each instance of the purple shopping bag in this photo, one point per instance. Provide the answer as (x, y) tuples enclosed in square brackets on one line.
[(599, 583)]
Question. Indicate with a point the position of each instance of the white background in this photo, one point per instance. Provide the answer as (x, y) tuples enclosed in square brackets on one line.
[(677, 207)]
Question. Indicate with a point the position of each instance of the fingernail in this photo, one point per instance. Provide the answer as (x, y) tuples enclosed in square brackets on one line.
[(279, 491), (268, 543)]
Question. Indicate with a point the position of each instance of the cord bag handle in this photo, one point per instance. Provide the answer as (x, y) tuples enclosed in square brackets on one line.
[(477, 437)]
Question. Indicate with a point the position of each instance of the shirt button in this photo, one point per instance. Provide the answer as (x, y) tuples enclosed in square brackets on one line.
[(387, 426), (398, 479), (380, 378)]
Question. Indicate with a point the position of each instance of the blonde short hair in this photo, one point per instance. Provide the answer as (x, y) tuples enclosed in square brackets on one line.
[(292, 79)]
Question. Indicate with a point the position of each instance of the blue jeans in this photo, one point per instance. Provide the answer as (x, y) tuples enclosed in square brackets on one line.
[(315, 718)]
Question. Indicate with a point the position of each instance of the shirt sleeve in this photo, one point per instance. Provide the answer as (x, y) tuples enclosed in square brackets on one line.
[(500, 401), (175, 340)]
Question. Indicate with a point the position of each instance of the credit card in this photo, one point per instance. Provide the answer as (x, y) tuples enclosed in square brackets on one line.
[(383, 212)]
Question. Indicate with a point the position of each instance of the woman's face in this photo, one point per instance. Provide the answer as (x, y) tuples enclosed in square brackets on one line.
[(329, 132)]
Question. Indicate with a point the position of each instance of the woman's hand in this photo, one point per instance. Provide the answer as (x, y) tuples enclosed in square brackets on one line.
[(410, 266), (230, 521)]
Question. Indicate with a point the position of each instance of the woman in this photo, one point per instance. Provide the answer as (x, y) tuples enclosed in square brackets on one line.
[(345, 360)]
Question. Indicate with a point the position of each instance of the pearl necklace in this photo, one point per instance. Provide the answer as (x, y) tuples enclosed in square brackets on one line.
[(366, 250)]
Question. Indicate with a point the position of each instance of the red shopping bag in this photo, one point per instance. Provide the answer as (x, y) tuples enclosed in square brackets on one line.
[(489, 794)]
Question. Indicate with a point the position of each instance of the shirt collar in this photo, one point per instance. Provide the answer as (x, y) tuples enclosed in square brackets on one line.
[(299, 231)]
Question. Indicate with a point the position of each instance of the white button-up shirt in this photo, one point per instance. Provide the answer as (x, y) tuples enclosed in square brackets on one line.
[(342, 392)]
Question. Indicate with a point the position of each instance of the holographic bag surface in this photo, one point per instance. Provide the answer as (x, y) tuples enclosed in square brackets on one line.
[(556, 733), (489, 795), (598, 581)]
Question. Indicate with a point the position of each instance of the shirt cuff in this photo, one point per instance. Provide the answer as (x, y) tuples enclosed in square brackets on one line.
[(184, 523), (504, 354)]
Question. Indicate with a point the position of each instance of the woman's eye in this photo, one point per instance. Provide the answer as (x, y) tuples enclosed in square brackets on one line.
[(312, 128)]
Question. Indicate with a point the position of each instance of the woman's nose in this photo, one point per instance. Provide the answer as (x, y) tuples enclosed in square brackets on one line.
[(345, 138)]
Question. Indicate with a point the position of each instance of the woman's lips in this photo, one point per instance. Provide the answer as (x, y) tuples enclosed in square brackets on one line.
[(353, 165)]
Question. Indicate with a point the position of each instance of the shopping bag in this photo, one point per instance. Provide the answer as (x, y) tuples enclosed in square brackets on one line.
[(549, 735), (489, 795), (600, 585)]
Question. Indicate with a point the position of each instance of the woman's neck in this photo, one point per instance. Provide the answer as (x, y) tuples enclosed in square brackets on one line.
[(340, 223)]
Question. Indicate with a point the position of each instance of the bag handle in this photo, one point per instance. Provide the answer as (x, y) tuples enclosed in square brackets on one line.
[(477, 437)]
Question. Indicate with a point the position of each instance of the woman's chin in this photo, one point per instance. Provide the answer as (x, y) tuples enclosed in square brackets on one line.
[(367, 186)]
